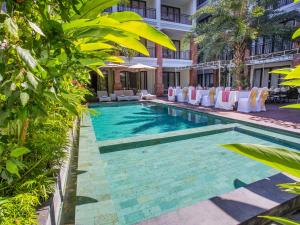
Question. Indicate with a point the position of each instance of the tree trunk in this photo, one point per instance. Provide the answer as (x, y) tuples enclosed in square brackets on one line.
[(239, 61), (24, 131)]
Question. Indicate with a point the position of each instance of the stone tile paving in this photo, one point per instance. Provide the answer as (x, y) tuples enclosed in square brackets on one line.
[(241, 206), (94, 204)]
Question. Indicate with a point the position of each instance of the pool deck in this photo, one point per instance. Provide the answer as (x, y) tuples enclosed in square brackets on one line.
[(274, 117), (241, 206)]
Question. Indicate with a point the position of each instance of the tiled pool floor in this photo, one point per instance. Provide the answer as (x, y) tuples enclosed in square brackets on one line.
[(146, 182)]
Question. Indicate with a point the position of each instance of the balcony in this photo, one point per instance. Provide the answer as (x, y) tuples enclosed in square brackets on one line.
[(168, 54), (151, 51), (271, 47), (144, 12), (177, 18)]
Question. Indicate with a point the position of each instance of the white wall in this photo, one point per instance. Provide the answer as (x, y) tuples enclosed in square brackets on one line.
[(184, 78)]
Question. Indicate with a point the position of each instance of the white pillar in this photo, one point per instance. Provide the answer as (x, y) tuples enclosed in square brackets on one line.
[(193, 10), (158, 12), (219, 73), (251, 76)]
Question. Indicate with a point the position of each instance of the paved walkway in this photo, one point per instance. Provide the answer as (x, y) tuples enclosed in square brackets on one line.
[(275, 117)]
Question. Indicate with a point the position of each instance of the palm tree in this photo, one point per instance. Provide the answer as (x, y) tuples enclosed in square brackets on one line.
[(232, 24)]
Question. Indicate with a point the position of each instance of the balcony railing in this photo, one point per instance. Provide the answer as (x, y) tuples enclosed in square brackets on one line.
[(168, 54), (200, 2), (151, 51), (176, 18), (271, 47), (284, 2), (144, 12)]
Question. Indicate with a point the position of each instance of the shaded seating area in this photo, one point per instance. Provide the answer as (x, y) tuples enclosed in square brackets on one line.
[(126, 95)]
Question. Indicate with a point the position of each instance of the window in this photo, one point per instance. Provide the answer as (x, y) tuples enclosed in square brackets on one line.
[(171, 79), (134, 81), (169, 54), (170, 13), (102, 82), (206, 79)]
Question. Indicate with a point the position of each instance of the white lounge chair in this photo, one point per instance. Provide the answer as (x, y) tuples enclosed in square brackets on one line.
[(171, 94), (103, 96), (262, 96), (146, 96), (121, 96), (247, 101), (130, 95), (208, 99)]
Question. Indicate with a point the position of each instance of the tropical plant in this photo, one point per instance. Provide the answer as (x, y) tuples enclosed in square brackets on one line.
[(230, 25), (281, 159), (47, 49)]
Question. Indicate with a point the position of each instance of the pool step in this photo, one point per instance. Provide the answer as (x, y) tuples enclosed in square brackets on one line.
[(149, 140)]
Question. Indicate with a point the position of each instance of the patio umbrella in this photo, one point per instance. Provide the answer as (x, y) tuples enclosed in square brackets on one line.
[(139, 67), (113, 65)]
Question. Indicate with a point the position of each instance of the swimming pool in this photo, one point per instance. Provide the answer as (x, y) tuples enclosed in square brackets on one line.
[(133, 177), (134, 119)]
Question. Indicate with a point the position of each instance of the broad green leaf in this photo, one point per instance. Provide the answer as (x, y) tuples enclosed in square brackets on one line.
[(95, 46), (292, 106), (291, 73), (17, 152), (125, 16), (36, 28), (96, 69), (281, 220), (138, 28), (294, 83), (128, 42), (91, 61), (12, 167), (11, 27), (296, 34), (32, 79), (284, 71), (293, 188), (148, 32), (27, 57), (93, 8), (24, 98), (281, 159)]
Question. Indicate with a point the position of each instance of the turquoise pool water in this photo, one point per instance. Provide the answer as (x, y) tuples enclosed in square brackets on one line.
[(149, 181), (126, 120)]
